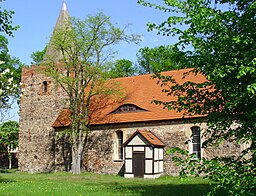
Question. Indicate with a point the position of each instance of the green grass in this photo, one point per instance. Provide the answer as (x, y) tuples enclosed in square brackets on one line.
[(97, 184)]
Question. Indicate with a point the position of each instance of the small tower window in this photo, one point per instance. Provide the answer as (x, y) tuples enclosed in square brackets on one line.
[(45, 87)]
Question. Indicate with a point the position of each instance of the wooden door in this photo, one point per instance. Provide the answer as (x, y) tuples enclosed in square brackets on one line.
[(138, 164)]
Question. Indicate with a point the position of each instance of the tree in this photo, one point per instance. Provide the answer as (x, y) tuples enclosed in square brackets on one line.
[(85, 46), (38, 56), (10, 70), (9, 138), (219, 40), (158, 59), (6, 22), (122, 68)]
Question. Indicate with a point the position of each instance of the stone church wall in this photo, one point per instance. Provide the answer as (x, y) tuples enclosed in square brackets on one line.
[(99, 153), (42, 148), (41, 102)]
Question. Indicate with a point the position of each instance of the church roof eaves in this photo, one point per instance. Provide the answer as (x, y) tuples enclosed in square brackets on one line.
[(140, 91)]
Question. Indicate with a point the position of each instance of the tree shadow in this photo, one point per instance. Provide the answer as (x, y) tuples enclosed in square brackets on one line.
[(3, 180), (166, 189)]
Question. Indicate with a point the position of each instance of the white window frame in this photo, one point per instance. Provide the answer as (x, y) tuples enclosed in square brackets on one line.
[(118, 146), (198, 154)]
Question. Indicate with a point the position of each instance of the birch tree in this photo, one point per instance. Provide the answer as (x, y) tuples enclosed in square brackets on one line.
[(86, 47)]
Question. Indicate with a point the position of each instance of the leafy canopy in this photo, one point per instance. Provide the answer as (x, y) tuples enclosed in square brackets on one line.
[(218, 38), (86, 48), (10, 67), (9, 136), (158, 59), (122, 68)]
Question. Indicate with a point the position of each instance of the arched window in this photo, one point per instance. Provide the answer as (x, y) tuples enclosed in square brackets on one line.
[(119, 145), (45, 87), (195, 145)]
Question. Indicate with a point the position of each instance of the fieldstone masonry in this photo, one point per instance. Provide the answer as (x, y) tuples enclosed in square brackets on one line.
[(38, 109), (41, 149)]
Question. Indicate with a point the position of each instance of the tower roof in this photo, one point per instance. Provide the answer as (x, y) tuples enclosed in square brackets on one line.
[(62, 20)]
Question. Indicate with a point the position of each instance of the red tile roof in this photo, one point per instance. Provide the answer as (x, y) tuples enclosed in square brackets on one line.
[(140, 91), (148, 136)]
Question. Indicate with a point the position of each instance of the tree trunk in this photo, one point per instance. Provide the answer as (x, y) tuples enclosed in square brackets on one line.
[(76, 158), (10, 160)]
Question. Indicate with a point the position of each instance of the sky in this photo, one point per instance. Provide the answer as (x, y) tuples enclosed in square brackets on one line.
[(38, 18)]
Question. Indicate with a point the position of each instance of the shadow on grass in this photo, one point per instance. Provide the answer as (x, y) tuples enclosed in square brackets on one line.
[(167, 189), (2, 180), (3, 170)]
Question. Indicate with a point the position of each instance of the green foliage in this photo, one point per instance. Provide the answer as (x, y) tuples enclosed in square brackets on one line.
[(158, 59), (10, 67), (122, 68), (219, 40), (86, 48), (38, 56), (9, 138), (9, 134), (6, 22)]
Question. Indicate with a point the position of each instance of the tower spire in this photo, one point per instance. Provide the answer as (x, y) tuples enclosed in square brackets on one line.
[(64, 5), (61, 22)]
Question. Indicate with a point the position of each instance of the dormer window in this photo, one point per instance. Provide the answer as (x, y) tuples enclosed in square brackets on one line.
[(128, 108)]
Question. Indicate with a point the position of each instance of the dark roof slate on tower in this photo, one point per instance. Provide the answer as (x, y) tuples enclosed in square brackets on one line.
[(52, 53)]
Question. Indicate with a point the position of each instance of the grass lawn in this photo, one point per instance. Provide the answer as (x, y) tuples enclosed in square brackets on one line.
[(97, 184)]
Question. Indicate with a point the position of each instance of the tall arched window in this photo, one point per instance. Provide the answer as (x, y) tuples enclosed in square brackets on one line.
[(195, 146), (119, 145)]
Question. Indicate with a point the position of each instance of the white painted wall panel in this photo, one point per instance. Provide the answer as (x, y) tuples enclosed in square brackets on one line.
[(128, 152), (161, 166), (156, 154), (156, 167), (138, 140), (129, 175), (161, 153), (149, 152), (128, 166), (138, 148), (148, 166)]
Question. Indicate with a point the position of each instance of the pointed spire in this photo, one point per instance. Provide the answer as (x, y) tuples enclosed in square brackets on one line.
[(64, 6), (62, 20)]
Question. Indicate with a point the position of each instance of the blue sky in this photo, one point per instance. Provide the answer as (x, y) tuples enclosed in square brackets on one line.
[(37, 20)]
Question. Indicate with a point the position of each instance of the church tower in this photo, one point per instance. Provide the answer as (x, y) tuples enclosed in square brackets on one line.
[(40, 104)]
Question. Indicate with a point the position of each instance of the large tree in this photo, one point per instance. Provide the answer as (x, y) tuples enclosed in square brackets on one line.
[(9, 138), (158, 59), (10, 67), (218, 38), (38, 56), (85, 46), (122, 68)]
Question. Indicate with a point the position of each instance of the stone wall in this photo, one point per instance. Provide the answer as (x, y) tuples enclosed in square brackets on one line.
[(42, 149), (38, 110), (100, 149)]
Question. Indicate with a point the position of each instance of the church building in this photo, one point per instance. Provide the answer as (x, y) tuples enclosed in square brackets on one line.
[(127, 137)]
